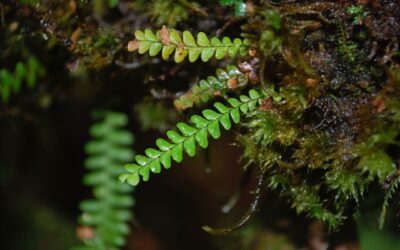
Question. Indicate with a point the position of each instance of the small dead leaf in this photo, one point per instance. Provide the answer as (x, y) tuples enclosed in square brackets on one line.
[(379, 103), (133, 45), (85, 232), (74, 38), (253, 77), (245, 66), (72, 6), (252, 52), (14, 26), (311, 83), (232, 83), (266, 105), (164, 35), (217, 93)]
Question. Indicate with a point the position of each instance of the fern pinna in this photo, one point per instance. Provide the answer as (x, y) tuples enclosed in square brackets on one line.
[(170, 41), (189, 136), (104, 218)]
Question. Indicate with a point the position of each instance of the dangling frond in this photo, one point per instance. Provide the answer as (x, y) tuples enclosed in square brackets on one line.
[(104, 218), (188, 136)]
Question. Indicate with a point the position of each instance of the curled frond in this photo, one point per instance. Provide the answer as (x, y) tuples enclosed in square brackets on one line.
[(170, 41), (188, 136), (229, 79)]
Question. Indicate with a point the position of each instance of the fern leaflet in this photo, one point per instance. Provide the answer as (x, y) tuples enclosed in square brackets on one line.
[(188, 137)]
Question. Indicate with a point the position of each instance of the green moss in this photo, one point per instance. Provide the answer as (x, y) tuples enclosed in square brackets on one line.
[(346, 184), (377, 164)]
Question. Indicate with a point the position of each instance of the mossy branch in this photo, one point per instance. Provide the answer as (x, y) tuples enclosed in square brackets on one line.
[(188, 137), (171, 41)]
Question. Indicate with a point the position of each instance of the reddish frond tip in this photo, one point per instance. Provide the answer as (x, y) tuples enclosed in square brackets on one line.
[(164, 36)]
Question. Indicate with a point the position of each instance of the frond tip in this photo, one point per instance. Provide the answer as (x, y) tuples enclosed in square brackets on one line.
[(171, 41), (188, 136)]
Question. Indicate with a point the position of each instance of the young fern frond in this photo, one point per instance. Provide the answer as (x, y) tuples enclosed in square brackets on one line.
[(188, 137), (225, 80), (105, 217), (171, 41), (27, 72)]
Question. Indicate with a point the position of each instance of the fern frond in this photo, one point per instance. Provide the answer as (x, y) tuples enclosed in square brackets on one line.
[(228, 79), (105, 217), (171, 41), (25, 72), (188, 136)]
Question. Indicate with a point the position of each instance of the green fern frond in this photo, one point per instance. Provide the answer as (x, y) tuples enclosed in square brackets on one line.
[(188, 137), (171, 41), (225, 80), (105, 217), (25, 72)]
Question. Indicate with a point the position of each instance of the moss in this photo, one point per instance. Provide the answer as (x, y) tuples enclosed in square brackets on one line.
[(331, 120)]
